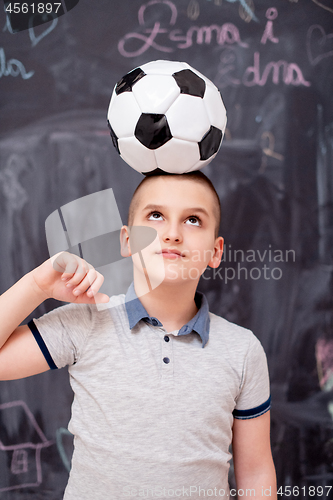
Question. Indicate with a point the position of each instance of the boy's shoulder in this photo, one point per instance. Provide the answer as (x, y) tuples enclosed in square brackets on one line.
[(220, 323), (235, 337)]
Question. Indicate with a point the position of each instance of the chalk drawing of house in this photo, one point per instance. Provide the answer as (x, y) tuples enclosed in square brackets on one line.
[(21, 442)]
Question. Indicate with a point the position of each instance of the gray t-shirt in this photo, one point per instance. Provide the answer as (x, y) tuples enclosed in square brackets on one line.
[(153, 411)]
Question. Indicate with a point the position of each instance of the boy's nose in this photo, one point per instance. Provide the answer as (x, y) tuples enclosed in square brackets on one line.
[(172, 233)]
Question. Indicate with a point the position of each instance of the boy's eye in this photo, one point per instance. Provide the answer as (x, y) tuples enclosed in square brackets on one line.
[(154, 216), (194, 221)]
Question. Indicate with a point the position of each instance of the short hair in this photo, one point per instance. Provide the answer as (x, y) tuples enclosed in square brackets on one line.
[(196, 176)]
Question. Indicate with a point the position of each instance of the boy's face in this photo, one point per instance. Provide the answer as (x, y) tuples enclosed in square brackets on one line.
[(182, 213)]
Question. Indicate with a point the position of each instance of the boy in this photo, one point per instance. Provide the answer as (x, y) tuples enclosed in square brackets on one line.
[(161, 385)]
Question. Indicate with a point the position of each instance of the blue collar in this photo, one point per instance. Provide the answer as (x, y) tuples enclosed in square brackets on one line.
[(199, 323)]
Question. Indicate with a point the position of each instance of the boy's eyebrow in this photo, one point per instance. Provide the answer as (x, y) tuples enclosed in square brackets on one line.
[(151, 206)]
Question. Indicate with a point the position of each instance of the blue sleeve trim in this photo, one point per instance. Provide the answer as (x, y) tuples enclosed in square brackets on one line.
[(253, 412), (42, 345)]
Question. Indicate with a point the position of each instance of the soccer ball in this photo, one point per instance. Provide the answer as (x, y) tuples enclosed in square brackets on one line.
[(166, 116)]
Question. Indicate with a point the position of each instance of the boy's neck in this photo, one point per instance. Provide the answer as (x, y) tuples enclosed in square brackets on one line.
[(173, 305)]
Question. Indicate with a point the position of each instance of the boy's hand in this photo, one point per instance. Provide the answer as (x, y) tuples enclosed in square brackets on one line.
[(69, 278)]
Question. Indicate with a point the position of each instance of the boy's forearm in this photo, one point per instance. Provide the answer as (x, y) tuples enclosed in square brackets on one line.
[(17, 303), (259, 486)]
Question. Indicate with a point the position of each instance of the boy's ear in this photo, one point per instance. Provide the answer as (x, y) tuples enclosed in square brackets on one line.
[(218, 252), (125, 248)]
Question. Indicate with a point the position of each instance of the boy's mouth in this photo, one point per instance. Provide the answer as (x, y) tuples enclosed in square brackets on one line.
[(171, 253)]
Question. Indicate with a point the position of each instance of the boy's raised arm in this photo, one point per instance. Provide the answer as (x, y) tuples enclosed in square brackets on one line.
[(65, 277)]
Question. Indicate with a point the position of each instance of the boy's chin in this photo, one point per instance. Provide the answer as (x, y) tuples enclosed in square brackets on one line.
[(177, 276), (163, 274)]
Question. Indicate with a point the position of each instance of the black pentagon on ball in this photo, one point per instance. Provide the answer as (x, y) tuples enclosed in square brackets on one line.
[(210, 143), (126, 83), (152, 130), (190, 83), (156, 171), (114, 137)]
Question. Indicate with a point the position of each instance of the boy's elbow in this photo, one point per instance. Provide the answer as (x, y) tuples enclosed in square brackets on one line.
[(20, 356)]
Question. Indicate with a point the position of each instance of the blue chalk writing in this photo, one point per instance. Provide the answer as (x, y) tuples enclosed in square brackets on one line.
[(13, 67)]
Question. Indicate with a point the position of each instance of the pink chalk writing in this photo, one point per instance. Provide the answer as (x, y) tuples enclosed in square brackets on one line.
[(290, 74), (276, 72), (227, 34), (271, 14), (147, 42), (172, 6), (165, 37), (128, 46)]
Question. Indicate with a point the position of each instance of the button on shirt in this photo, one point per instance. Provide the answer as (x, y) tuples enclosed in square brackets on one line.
[(151, 415)]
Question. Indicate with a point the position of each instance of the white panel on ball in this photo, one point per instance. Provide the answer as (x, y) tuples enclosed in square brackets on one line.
[(177, 155), (136, 155), (200, 164), (156, 93), (123, 114), (188, 118), (215, 108), (163, 67)]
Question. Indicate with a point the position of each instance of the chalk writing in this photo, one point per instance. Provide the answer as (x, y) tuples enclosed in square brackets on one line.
[(8, 26), (271, 14), (59, 434), (36, 39), (319, 43), (19, 463), (32, 34), (225, 77), (25, 459), (13, 67), (227, 33), (12, 191), (246, 5), (330, 9), (276, 72), (269, 150), (244, 14), (291, 73), (193, 10)]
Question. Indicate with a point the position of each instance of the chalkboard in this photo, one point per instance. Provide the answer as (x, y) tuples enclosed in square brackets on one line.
[(273, 63)]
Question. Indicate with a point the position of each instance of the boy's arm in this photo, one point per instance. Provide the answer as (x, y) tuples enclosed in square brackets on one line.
[(65, 277), (253, 462)]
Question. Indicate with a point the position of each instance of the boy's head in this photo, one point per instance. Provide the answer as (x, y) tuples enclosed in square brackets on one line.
[(184, 210), (149, 183)]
